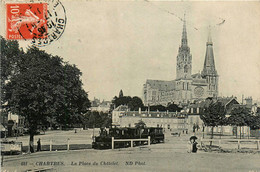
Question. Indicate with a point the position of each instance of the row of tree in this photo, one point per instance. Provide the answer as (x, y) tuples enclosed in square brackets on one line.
[(41, 87), (215, 115), (95, 119), (134, 103)]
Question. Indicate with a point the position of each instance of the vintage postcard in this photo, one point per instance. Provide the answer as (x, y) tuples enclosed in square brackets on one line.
[(146, 85)]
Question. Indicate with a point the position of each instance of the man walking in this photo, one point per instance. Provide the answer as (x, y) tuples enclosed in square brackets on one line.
[(39, 145)]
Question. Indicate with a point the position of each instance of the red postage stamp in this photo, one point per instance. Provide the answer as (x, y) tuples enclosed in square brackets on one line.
[(26, 21)]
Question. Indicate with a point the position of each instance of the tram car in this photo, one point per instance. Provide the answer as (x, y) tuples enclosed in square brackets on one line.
[(104, 140)]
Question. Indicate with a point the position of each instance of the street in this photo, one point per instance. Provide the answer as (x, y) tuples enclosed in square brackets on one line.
[(169, 156)]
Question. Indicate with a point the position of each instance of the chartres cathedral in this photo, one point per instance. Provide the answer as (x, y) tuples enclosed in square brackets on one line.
[(186, 87)]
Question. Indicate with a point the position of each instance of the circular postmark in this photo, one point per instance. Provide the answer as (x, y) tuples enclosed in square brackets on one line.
[(55, 26)]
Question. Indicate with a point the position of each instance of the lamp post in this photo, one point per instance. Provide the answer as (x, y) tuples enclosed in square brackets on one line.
[(16, 130)]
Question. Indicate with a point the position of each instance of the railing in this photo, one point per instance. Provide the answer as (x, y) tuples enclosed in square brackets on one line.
[(68, 142), (130, 140), (231, 140)]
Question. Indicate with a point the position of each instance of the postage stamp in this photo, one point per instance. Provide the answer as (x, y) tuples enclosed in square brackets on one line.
[(41, 23), (26, 21)]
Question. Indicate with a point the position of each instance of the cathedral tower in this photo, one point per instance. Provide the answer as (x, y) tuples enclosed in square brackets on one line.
[(183, 69), (209, 71), (184, 58)]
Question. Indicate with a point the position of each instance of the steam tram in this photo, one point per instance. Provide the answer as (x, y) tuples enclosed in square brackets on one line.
[(104, 140)]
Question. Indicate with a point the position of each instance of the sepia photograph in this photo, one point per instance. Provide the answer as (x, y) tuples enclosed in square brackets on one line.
[(131, 86)]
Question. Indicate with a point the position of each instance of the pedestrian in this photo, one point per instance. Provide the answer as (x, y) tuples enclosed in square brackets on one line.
[(39, 145), (194, 146), (198, 127), (194, 128)]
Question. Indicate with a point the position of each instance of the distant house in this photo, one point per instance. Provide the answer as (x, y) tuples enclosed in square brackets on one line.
[(197, 108), (100, 106), (118, 112), (15, 124)]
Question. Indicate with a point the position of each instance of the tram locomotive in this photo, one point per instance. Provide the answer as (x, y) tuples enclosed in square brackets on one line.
[(104, 140)]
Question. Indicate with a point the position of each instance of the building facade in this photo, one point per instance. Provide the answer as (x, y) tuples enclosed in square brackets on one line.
[(187, 86), (121, 116)]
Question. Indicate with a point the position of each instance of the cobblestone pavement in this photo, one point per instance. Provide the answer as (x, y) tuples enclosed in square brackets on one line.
[(169, 156)]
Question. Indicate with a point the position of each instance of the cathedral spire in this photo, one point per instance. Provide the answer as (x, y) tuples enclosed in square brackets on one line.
[(209, 37), (209, 63), (184, 58), (184, 40)]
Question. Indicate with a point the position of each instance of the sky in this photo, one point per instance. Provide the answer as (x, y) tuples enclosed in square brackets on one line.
[(120, 44)]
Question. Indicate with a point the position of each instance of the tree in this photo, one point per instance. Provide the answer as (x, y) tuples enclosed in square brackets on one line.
[(45, 87), (173, 108), (75, 101), (135, 103), (157, 107), (240, 117), (10, 56), (213, 115), (117, 101), (121, 93), (97, 119), (255, 122)]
